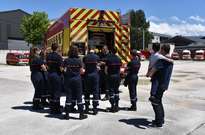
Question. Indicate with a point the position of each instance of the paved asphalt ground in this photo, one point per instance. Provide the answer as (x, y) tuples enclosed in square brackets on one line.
[(184, 105)]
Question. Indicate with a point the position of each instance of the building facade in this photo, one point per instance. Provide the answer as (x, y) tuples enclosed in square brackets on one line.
[(10, 35)]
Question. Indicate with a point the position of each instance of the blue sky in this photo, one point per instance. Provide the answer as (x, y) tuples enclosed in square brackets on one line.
[(165, 14)]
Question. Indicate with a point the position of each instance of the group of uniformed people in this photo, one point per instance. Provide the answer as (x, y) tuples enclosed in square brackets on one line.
[(92, 75)]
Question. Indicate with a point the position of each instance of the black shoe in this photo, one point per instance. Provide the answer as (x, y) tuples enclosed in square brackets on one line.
[(86, 109), (45, 104), (55, 112), (67, 117), (95, 111), (155, 122), (132, 108), (116, 109), (37, 107), (112, 109), (83, 116), (157, 125), (73, 110)]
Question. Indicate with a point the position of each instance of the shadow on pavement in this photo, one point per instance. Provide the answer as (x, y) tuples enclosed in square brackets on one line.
[(141, 123), (28, 103), (29, 108), (60, 117)]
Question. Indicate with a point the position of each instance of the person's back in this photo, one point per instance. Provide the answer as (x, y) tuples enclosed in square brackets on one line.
[(73, 83), (134, 66), (35, 65), (163, 74), (132, 79), (72, 66), (114, 63), (156, 55), (91, 81), (54, 61), (90, 62)]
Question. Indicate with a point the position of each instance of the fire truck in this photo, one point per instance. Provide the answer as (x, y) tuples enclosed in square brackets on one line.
[(90, 27), (199, 55), (186, 55)]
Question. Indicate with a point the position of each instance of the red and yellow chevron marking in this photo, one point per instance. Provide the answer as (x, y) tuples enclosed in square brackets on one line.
[(78, 31), (126, 36), (87, 14), (123, 53), (78, 25), (111, 16), (81, 18), (125, 50), (84, 14)]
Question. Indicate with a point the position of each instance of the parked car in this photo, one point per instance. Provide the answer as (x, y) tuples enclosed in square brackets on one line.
[(17, 59), (175, 56), (199, 55), (186, 55)]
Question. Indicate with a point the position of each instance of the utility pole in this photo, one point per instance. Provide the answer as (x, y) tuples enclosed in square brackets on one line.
[(143, 39)]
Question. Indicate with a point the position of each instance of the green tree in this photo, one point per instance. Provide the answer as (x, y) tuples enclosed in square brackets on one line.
[(139, 25), (34, 27)]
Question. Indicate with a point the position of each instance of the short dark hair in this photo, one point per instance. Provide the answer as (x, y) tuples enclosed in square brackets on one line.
[(114, 50), (54, 47), (166, 48), (156, 47), (73, 52)]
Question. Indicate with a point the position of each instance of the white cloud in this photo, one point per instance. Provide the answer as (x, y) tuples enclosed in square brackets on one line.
[(197, 18), (175, 18), (154, 19), (187, 29)]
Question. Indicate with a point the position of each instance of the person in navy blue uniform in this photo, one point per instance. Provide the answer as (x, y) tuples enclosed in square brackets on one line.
[(103, 84), (113, 64), (132, 79), (91, 80), (36, 67), (54, 62), (45, 96), (73, 83), (161, 73)]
